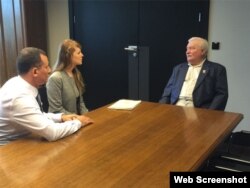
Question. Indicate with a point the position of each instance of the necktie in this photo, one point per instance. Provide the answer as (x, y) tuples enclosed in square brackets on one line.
[(39, 101)]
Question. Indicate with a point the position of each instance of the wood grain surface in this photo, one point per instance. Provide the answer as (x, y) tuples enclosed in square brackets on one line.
[(136, 148)]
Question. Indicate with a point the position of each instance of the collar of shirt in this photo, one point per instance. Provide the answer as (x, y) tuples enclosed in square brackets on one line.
[(28, 86), (199, 65)]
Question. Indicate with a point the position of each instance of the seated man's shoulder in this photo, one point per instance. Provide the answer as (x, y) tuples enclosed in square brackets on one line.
[(181, 65), (216, 65)]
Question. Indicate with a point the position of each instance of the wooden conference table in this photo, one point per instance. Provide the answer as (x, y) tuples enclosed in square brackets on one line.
[(135, 148)]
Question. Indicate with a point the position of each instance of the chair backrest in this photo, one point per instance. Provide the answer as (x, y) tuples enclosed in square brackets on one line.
[(239, 142), (241, 138)]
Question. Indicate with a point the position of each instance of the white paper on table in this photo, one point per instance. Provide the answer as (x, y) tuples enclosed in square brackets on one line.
[(125, 104)]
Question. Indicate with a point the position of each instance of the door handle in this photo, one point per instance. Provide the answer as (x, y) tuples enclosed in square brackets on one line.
[(131, 48)]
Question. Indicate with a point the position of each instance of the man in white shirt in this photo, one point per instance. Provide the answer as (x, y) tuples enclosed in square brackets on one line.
[(198, 82), (20, 113)]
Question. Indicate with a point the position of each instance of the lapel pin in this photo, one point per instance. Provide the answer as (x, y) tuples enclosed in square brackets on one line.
[(203, 71)]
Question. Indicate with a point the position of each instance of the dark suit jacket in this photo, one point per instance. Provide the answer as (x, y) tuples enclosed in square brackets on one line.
[(211, 89)]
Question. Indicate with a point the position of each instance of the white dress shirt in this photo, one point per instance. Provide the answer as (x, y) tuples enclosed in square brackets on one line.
[(186, 95), (20, 114)]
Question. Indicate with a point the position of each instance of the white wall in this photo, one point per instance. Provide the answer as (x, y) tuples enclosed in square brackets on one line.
[(229, 24), (58, 26)]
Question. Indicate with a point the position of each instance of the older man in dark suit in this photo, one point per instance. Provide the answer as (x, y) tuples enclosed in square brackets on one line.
[(198, 83)]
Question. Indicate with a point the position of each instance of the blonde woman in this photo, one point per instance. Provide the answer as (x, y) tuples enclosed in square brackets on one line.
[(65, 86)]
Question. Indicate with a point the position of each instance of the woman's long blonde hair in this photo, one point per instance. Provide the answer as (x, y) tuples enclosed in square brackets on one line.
[(65, 52)]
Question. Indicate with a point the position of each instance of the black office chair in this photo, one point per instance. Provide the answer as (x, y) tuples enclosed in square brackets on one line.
[(232, 155)]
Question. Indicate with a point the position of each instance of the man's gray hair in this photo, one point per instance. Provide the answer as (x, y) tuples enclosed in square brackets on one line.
[(203, 43)]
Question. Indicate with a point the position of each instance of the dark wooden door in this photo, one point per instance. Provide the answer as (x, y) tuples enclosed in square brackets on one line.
[(105, 28), (165, 27)]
